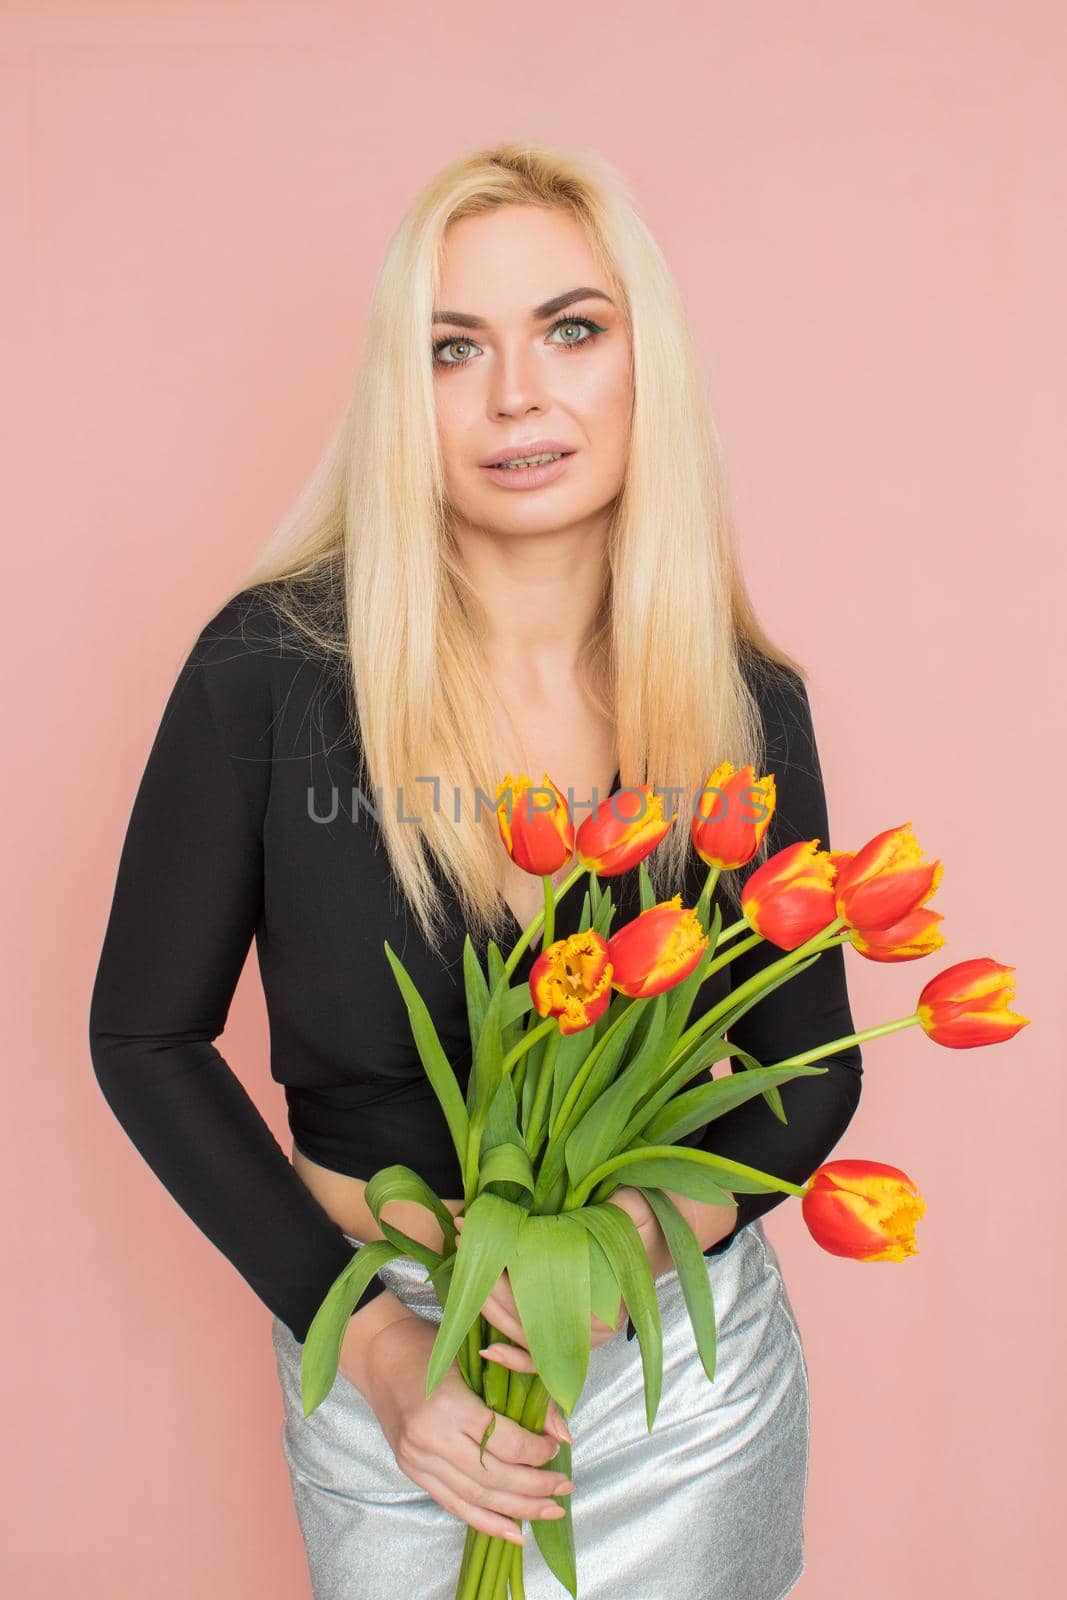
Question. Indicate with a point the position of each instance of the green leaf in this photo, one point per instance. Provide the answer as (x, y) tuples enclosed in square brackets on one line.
[(549, 1275), (321, 1350), (602, 1063), (692, 1268), (742, 1179), (555, 1535), (437, 1066), (400, 1183), (698, 1107), (680, 1002), (668, 1172), (488, 1064), (648, 894), (506, 1163), (476, 988), (605, 911), (596, 1136), (502, 1123), (604, 1292), (488, 1239), (698, 1060), (617, 1232), (572, 1052), (517, 1002)]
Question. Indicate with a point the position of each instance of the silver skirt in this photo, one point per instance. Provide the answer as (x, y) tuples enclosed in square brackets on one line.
[(708, 1506)]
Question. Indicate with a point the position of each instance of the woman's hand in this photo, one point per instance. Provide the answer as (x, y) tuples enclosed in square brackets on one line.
[(437, 1441), (501, 1312)]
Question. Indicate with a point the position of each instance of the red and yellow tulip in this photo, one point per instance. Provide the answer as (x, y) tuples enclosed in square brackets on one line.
[(535, 824), (863, 1209), (885, 880), (657, 950), (725, 832), (571, 980), (622, 831), (914, 936), (969, 1004), (790, 898)]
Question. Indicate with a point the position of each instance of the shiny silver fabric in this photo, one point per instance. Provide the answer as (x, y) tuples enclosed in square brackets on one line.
[(708, 1506)]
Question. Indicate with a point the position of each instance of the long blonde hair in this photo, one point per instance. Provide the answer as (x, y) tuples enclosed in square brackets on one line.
[(371, 530)]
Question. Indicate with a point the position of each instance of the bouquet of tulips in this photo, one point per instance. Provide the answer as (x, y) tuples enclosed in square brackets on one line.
[(584, 1079)]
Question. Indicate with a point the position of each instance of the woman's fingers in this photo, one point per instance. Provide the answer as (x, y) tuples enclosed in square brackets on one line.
[(510, 1355), (497, 1527), (555, 1424), (499, 1317)]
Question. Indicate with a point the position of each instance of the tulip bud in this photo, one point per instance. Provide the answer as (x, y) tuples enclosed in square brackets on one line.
[(790, 898), (733, 813), (657, 950), (622, 830), (885, 880), (535, 824), (969, 1004), (863, 1209)]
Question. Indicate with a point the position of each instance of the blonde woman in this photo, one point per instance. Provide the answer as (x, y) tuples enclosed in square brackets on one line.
[(430, 616)]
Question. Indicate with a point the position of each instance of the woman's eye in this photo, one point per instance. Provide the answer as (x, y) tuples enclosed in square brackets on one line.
[(580, 328), (451, 344)]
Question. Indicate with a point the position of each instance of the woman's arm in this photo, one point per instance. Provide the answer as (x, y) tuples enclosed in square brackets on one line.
[(186, 904)]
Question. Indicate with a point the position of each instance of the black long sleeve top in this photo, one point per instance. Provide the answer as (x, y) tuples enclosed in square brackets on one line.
[(251, 822)]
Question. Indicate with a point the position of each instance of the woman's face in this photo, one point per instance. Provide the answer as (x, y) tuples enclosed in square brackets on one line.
[(514, 367)]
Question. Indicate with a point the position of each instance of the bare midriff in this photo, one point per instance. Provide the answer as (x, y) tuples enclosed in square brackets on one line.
[(344, 1199)]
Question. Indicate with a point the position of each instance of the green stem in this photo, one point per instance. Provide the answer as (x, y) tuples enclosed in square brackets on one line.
[(550, 913), (497, 1559), (544, 1086), (529, 933), (518, 1587), (815, 945), (808, 1056), (527, 1042)]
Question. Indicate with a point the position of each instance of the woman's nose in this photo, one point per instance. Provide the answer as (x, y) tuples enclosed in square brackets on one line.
[(516, 382)]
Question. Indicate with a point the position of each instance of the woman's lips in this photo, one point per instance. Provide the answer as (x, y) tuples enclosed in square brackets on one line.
[(529, 477)]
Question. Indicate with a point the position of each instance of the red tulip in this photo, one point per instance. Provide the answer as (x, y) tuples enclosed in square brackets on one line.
[(885, 880), (968, 1005), (725, 832), (657, 950), (571, 980), (790, 898), (622, 830), (863, 1209), (535, 824), (914, 936)]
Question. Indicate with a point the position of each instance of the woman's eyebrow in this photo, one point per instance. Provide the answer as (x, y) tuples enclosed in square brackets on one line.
[(463, 319)]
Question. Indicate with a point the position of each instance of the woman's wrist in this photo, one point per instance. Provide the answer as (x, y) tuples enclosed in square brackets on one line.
[(366, 1327)]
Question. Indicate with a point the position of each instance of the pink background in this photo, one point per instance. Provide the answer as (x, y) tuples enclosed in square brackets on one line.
[(864, 207)]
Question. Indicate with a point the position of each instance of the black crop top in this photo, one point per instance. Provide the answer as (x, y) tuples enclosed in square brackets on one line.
[(245, 825)]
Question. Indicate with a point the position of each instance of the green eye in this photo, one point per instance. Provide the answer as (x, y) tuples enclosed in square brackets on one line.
[(577, 322)]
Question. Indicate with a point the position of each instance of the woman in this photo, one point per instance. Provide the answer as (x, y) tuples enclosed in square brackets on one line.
[(427, 619)]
